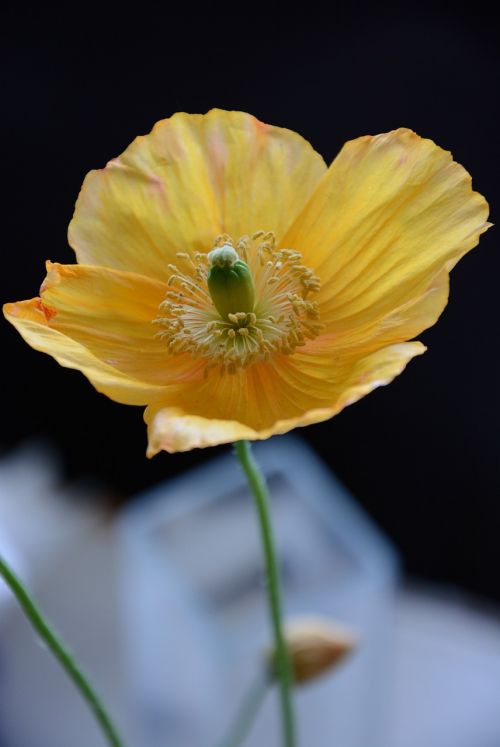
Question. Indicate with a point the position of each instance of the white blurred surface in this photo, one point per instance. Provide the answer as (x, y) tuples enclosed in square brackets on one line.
[(446, 689), (10, 553), (63, 548)]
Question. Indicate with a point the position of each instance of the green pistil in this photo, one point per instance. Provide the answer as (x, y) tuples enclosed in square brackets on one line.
[(230, 282)]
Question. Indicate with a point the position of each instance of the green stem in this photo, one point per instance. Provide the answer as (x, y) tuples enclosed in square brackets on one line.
[(283, 668), (60, 652), (246, 713)]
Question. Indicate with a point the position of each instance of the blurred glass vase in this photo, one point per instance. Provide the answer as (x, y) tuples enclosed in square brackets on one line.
[(194, 615)]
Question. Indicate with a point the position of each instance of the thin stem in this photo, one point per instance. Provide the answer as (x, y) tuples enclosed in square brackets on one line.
[(258, 487), (246, 713), (60, 652)]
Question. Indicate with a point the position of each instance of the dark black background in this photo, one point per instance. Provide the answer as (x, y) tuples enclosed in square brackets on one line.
[(80, 82)]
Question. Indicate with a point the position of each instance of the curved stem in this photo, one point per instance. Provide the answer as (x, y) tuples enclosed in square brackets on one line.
[(246, 713), (60, 652), (283, 668)]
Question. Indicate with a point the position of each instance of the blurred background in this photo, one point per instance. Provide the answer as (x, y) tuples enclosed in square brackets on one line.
[(79, 83)]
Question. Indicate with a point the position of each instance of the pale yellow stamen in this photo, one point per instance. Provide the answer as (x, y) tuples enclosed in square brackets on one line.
[(283, 318)]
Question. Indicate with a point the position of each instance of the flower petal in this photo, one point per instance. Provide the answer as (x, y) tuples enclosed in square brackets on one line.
[(193, 177), (206, 415), (385, 226), (110, 313), (364, 335), (32, 322)]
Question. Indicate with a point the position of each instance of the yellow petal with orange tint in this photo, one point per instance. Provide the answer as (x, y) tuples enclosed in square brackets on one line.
[(386, 224), (173, 426), (31, 320), (110, 314), (192, 178), (402, 323)]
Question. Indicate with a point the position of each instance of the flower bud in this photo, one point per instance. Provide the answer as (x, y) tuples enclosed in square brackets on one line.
[(230, 282), (315, 645)]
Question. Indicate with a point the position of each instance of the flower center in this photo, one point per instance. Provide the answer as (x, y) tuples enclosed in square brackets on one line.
[(240, 303)]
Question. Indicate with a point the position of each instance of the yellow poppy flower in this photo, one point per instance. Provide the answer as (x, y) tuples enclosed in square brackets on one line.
[(338, 268)]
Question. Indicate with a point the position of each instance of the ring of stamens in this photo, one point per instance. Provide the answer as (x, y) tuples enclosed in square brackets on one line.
[(283, 319)]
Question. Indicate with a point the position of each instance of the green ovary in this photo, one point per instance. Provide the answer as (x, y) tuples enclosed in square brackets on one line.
[(231, 287)]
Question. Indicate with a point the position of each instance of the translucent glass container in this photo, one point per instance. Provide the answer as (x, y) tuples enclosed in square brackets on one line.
[(193, 604)]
